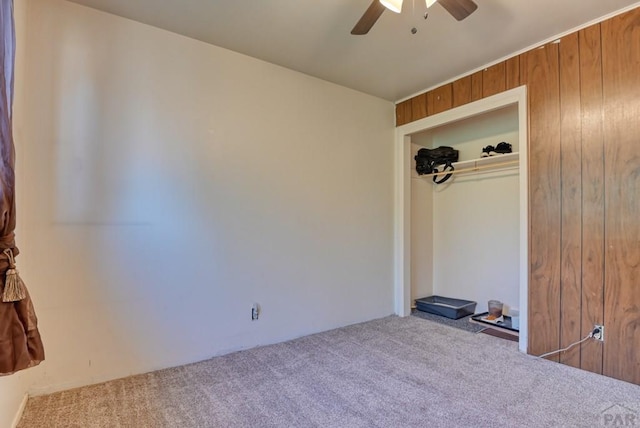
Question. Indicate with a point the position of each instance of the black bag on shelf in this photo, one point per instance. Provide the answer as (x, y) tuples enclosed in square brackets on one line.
[(428, 160)]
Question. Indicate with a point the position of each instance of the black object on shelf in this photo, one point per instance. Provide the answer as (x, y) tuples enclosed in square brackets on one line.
[(502, 324), (446, 306)]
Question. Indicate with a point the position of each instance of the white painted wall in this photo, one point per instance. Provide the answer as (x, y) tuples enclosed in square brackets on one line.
[(13, 390), (171, 184), (421, 232), (468, 232)]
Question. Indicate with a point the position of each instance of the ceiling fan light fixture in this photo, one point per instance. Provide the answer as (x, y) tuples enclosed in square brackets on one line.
[(392, 5), (430, 3)]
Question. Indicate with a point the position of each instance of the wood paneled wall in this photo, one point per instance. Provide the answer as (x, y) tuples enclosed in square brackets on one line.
[(584, 187), (539, 70), (621, 129), (493, 80)]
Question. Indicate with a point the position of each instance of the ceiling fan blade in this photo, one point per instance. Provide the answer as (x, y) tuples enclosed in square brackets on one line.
[(460, 9), (368, 18)]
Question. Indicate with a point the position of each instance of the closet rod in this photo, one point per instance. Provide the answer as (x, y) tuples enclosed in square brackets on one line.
[(475, 168)]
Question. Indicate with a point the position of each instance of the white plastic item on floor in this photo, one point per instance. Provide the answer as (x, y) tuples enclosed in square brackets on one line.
[(515, 318)]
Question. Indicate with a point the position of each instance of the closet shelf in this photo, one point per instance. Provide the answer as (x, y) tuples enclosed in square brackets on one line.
[(506, 161)]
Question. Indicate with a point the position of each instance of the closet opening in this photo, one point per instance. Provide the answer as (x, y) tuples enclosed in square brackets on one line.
[(466, 238)]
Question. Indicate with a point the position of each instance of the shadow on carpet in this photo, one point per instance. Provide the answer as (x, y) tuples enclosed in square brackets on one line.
[(462, 323)]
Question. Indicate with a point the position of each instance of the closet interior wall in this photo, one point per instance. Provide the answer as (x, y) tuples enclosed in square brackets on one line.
[(465, 232)]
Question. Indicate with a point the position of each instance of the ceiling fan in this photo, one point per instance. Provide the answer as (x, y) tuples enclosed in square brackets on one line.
[(460, 9)]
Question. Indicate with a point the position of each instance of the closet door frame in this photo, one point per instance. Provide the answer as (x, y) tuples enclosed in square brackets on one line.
[(402, 195)]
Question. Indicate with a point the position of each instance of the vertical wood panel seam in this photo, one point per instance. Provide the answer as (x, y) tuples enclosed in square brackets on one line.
[(559, 243), (562, 188), (601, 279), (581, 202), (604, 190), (604, 182), (581, 213)]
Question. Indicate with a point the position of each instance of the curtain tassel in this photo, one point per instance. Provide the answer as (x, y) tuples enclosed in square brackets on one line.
[(14, 288)]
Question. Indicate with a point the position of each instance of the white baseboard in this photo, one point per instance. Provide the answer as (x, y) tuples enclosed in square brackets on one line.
[(18, 415)]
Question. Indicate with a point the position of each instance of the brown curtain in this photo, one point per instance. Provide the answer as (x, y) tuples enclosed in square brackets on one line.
[(20, 344)]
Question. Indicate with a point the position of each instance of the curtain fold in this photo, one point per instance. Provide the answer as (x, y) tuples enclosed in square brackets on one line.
[(20, 343)]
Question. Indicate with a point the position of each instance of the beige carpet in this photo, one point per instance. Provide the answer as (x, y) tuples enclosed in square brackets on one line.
[(392, 372)]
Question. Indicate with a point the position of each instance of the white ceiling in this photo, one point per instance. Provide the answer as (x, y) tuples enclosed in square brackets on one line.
[(313, 36)]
